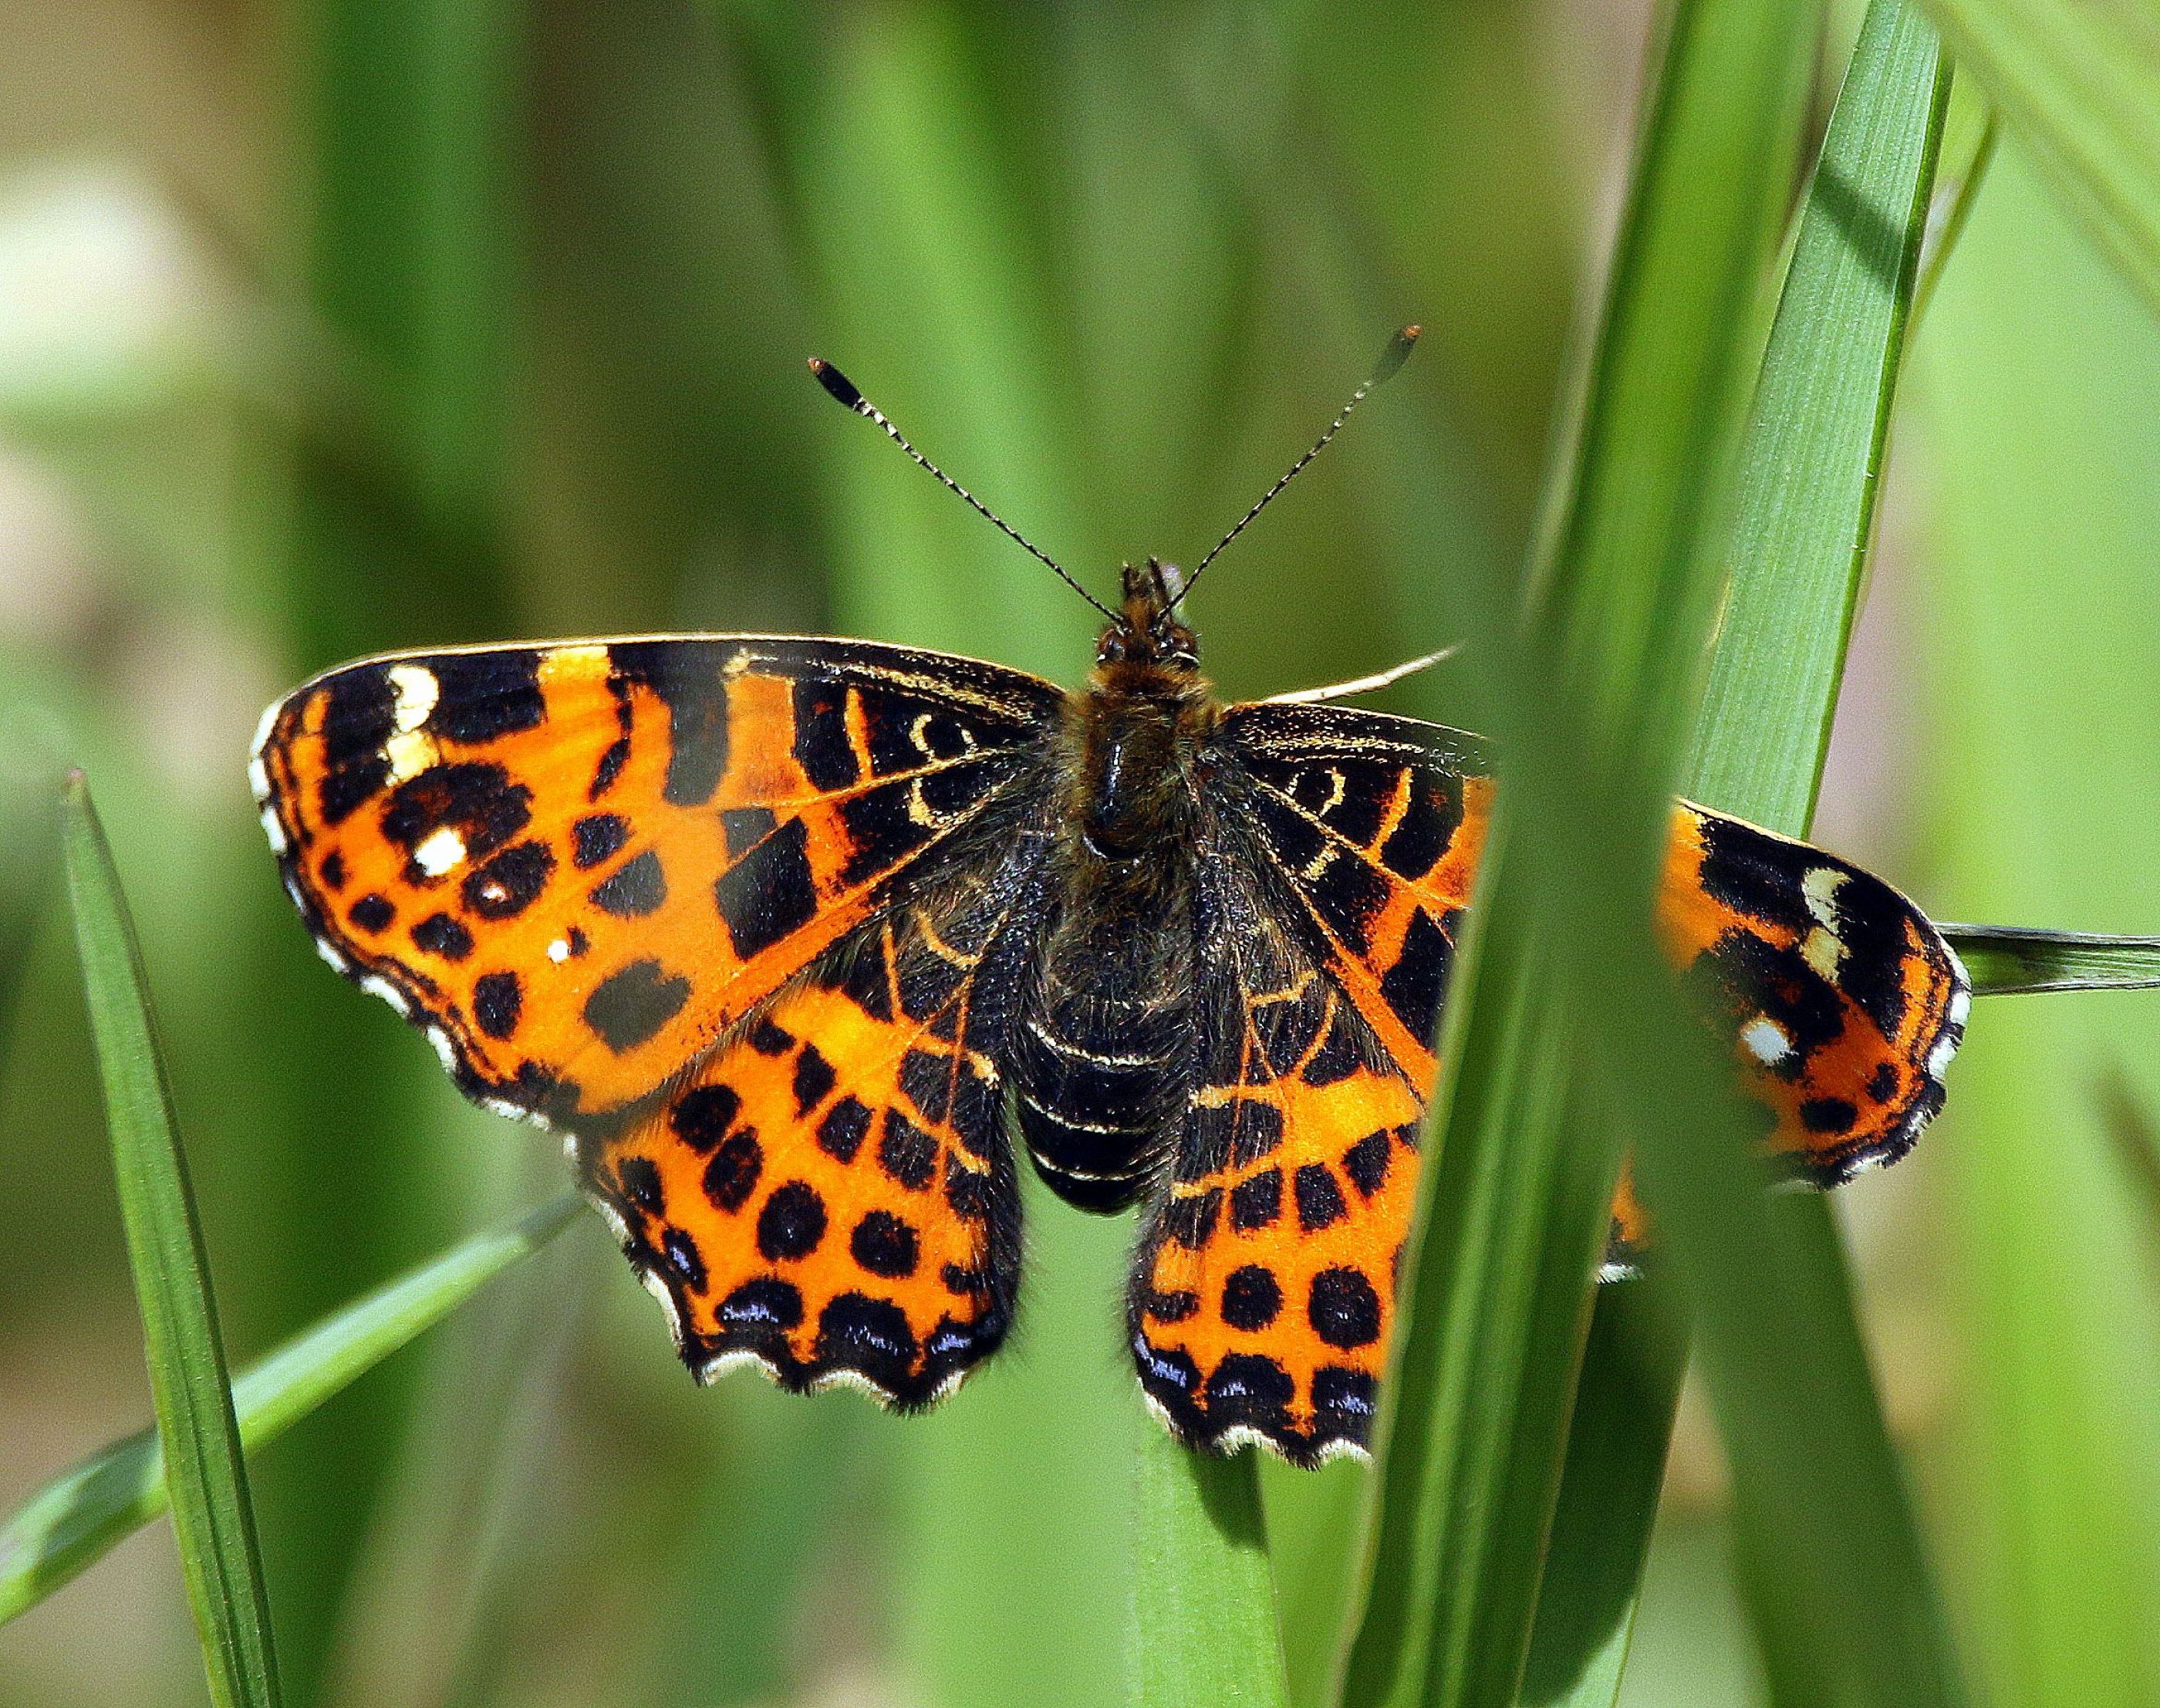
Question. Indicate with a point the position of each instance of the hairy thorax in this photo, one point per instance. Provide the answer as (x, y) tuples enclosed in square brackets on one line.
[(1106, 1030)]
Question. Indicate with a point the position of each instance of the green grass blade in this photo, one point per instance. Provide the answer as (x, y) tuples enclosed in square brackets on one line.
[(69, 1525), (1811, 469), (212, 1518), (2080, 82), (2008, 960), (1616, 1440), (1516, 1202), (1813, 464), (1204, 1601)]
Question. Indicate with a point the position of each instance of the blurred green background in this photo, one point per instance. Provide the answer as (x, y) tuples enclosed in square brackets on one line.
[(327, 328)]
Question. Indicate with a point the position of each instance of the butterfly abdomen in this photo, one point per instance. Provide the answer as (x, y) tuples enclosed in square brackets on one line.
[(1099, 1058)]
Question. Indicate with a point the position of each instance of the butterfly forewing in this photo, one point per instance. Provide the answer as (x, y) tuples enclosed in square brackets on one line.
[(576, 865)]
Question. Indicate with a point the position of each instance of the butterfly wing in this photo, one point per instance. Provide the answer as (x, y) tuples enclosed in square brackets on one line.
[(1358, 834), (1264, 1286), (577, 865), (1841, 1003), (829, 1195), (1334, 868)]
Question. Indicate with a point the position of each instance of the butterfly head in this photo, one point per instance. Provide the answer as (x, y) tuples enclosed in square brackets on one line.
[(1146, 633)]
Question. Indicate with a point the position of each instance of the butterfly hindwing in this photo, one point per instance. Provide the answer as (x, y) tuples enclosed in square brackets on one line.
[(830, 1193), (1263, 1287), (578, 865)]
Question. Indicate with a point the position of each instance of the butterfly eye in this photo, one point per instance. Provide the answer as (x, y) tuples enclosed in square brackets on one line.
[(1113, 649)]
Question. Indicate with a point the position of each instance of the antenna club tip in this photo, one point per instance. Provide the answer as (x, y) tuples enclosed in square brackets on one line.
[(837, 384), (1397, 353)]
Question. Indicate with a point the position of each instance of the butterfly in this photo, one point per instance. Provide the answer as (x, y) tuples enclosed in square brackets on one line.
[(791, 937)]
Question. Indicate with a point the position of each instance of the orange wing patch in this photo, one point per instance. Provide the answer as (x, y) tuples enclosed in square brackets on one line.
[(829, 1195), (578, 865)]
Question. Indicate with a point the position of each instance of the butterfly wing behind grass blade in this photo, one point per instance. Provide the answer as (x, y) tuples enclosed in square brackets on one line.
[(1329, 903)]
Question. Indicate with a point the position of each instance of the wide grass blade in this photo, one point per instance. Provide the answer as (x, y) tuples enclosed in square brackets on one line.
[(2008, 960), (1810, 470), (212, 1519), (1516, 1200), (69, 1524), (2080, 81), (1204, 1599)]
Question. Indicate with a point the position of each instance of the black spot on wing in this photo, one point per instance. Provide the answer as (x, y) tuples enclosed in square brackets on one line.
[(609, 768), (732, 1175), (359, 716), (1343, 1309), (482, 695), (479, 801), (1416, 985), (1871, 925), (906, 1153), (596, 837), (814, 1079), (510, 882), (1251, 1298), (1759, 876), (792, 1223), (822, 748), (1319, 1199), (770, 893), (764, 1307), (373, 913), (438, 934), (635, 890), (498, 1001), (639, 1182), (844, 1126), (686, 680), (1250, 1391), (1257, 1201), (885, 1245), (1170, 1307), (631, 1005), (743, 828), (858, 1332), (704, 1115), (1366, 1163)]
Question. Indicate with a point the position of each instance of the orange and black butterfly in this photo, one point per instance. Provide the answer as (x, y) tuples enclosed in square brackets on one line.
[(789, 935)]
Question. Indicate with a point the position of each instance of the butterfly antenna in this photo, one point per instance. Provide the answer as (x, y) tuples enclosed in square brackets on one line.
[(1391, 359), (843, 391)]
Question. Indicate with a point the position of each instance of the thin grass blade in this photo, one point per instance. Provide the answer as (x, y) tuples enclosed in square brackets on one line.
[(2008, 960), (1204, 1603), (70, 1524), (1811, 469), (1516, 1203), (212, 1518), (2080, 82)]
